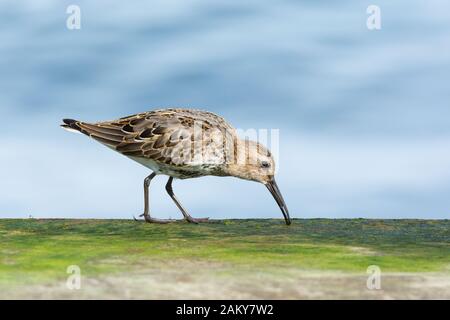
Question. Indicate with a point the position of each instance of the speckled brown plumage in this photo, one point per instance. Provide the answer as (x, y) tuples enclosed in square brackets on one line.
[(171, 138), (184, 143)]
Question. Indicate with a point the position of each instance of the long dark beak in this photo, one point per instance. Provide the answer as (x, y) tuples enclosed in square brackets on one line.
[(273, 188)]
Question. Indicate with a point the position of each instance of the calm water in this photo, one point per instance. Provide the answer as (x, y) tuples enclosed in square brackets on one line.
[(363, 115)]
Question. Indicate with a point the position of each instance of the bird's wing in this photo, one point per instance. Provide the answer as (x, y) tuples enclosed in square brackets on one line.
[(168, 136)]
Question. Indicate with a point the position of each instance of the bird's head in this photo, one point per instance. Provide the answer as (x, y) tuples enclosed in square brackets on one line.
[(254, 162)]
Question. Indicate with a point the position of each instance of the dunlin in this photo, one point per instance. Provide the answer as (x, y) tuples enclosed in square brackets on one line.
[(184, 143)]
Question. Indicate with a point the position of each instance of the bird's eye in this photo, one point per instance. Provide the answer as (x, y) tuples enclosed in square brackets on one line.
[(265, 164)]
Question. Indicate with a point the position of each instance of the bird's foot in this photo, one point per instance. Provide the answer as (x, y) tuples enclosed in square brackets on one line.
[(149, 219), (196, 220), (154, 220)]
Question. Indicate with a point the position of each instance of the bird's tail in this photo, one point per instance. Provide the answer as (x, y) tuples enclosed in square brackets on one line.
[(106, 134), (71, 125)]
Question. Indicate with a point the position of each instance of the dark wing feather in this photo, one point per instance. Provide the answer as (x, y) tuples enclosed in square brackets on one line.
[(166, 136)]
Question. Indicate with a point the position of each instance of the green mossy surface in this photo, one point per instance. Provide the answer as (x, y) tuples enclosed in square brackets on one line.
[(39, 251)]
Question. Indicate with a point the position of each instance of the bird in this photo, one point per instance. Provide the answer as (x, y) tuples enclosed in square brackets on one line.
[(184, 143)]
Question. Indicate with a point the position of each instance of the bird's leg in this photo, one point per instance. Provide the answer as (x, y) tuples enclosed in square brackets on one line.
[(183, 211), (146, 213)]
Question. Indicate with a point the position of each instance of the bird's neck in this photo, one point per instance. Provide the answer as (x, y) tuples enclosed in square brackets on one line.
[(240, 159)]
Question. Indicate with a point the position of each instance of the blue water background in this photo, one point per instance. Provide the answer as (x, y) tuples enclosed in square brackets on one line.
[(364, 116)]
